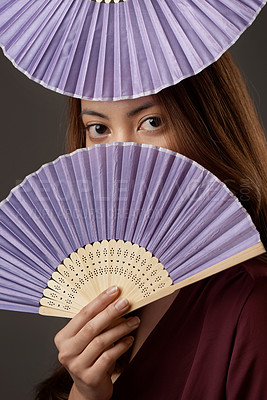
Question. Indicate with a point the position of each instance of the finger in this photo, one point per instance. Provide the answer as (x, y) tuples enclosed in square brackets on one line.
[(116, 322), (87, 313), (105, 340), (104, 363), (98, 324)]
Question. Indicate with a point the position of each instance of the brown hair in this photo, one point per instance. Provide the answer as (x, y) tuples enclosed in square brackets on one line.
[(56, 387), (214, 123)]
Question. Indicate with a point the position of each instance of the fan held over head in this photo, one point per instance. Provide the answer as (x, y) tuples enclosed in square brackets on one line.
[(142, 217), (121, 50)]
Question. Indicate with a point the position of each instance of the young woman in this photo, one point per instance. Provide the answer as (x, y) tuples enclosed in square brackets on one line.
[(209, 340)]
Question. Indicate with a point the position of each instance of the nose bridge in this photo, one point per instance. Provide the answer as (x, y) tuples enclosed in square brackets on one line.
[(123, 133)]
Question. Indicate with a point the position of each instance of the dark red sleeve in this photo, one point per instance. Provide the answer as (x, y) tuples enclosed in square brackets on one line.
[(210, 345), (247, 374)]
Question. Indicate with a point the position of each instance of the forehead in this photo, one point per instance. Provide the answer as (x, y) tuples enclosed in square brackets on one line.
[(121, 105)]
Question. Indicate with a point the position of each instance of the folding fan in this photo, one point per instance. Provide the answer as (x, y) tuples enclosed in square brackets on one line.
[(139, 216), (125, 49)]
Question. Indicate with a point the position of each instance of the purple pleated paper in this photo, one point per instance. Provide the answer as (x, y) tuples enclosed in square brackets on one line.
[(103, 51), (147, 195)]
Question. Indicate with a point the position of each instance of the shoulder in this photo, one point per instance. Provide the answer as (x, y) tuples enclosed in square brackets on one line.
[(252, 274), (253, 313), (255, 269), (240, 291), (248, 368), (235, 307), (245, 281)]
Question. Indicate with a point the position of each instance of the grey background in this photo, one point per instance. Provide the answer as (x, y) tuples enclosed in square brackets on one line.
[(32, 133)]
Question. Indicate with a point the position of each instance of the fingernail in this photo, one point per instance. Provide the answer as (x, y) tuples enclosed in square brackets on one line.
[(129, 340), (121, 304), (135, 321), (112, 290)]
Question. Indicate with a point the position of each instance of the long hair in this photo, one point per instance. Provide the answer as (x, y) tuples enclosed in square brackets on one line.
[(213, 122), (56, 387)]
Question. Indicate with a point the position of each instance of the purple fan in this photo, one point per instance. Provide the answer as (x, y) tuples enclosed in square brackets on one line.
[(144, 218), (92, 50)]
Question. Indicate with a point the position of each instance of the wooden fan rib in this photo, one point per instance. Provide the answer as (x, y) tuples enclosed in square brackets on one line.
[(51, 312), (251, 252), (63, 298), (105, 252), (64, 294), (122, 261), (62, 309), (73, 286), (100, 268), (59, 305), (79, 276), (92, 268), (143, 155)]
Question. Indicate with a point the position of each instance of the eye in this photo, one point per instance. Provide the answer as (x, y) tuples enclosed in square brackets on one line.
[(96, 130), (151, 123)]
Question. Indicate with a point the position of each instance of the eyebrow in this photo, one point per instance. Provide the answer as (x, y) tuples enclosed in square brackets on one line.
[(129, 114), (141, 108), (94, 113)]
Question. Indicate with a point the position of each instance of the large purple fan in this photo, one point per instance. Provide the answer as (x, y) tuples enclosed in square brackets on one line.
[(99, 51), (145, 218)]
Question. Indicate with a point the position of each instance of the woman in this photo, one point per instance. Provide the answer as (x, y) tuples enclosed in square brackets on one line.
[(207, 341)]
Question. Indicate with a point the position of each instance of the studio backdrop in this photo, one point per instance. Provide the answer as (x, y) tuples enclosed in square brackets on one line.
[(33, 123)]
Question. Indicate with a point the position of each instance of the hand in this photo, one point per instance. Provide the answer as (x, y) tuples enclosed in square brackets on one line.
[(88, 346)]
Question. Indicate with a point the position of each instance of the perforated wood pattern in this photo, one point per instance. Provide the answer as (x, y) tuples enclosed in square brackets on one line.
[(92, 269)]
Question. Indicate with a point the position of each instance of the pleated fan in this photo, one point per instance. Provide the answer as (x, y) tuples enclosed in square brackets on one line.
[(139, 216), (125, 49)]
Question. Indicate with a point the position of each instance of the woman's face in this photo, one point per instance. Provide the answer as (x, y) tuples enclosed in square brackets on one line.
[(139, 120)]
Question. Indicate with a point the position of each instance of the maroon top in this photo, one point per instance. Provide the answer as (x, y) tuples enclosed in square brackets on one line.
[(211, 344)]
